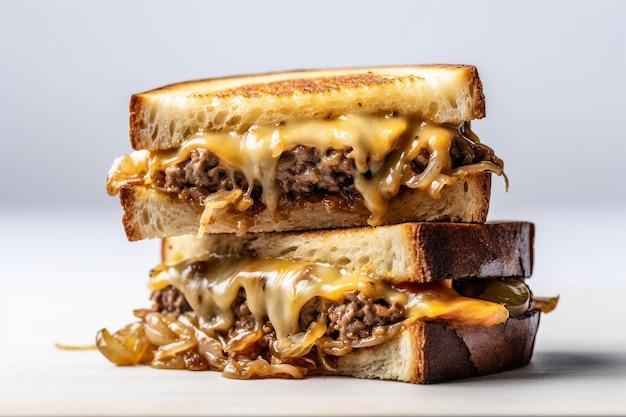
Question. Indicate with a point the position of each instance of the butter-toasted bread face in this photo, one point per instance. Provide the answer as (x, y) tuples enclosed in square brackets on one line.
[(165, 117)]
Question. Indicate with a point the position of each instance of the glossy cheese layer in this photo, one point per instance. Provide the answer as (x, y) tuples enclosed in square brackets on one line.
[(277, 290)]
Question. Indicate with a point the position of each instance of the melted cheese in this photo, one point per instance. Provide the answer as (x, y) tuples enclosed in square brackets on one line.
[(278, 289), (382, 149)]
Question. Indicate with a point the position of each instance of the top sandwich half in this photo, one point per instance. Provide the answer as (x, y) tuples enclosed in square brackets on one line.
[(306, 150)]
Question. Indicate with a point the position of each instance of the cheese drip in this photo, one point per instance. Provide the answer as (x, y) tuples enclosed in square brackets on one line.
[(277, 290), (382, 148)]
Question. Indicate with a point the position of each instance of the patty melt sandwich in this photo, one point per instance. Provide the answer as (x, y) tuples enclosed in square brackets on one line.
[(323, 223), (303, 150)]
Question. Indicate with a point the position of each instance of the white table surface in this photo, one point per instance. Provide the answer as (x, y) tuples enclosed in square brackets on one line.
[(64, 276)]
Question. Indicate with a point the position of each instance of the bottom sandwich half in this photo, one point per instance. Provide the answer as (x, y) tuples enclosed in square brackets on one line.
[(416, 302)]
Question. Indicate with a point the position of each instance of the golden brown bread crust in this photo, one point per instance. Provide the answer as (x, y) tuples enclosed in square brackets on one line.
[(429, 352), (407, 252), (164, 117), (318, 84), (149, 213)]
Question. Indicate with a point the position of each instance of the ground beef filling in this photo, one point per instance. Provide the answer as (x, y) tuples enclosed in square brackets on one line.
[(302, 174), (356, 317), (359, 316), (169, 300)]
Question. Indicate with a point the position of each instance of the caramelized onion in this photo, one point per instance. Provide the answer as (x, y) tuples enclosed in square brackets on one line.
[(479, 167), (423, 179), (177, 362), (63, 346), (329, 364), (180, 329), (126, 347), (298, 345), (260, 368), (219, 202), (333, 347), (141, 313), (242, 340), (341, 348), (158, 331), (189, 319), (545, 304), (174, 348), (212, 351), (440, 181)]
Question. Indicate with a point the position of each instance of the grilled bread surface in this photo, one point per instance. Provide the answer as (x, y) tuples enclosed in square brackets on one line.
[(163, 118)]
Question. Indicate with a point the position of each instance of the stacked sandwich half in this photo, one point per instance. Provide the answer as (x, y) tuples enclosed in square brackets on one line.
[(323, 223)]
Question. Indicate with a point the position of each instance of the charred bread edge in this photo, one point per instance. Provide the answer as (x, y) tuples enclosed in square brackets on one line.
[(477, 351), (430, 352)]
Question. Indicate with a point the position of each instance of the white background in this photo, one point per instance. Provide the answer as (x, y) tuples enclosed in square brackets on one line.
[(554, 78)]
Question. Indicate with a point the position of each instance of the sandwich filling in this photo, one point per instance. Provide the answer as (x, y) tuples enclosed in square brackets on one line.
[(253, 318), (352, 159)]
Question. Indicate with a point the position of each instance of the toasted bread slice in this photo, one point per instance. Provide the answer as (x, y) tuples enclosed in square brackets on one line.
[(408, 252), (151, 214), (427, 352), (163, 118)]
